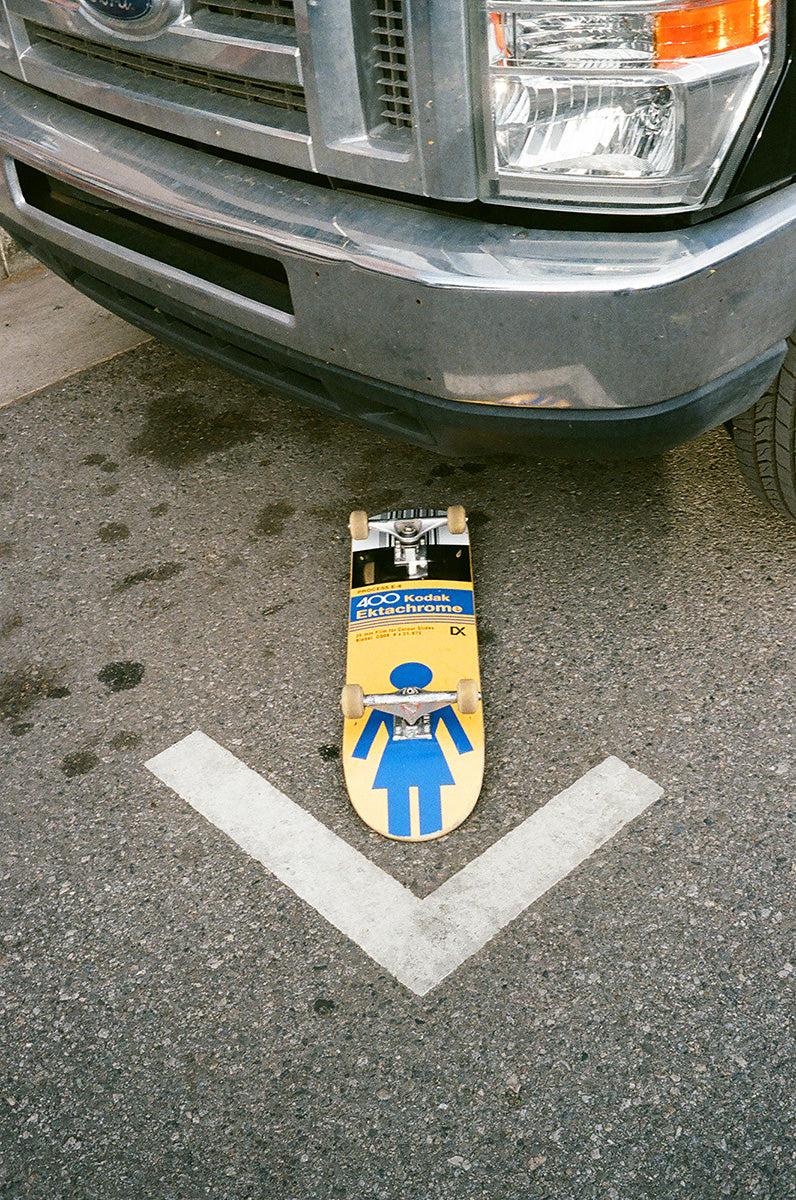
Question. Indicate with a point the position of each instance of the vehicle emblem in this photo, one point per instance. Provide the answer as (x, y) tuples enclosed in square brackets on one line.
[(121, 10), (131, 17)]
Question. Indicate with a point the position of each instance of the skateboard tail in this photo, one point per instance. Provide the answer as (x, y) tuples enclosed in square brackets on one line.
[(420, 788)]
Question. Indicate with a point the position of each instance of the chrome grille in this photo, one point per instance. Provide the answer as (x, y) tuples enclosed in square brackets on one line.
[(332, 87), (217, 82), (389, 41), (267, 12)]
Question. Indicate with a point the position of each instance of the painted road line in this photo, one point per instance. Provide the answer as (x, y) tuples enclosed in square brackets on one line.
[(420, 942)]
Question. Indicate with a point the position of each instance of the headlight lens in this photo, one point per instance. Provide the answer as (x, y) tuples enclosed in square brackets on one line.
[(592, 103)]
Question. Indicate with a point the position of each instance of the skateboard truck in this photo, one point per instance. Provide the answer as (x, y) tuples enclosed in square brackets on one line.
[(411, 708), (409, 535), (410, 541)]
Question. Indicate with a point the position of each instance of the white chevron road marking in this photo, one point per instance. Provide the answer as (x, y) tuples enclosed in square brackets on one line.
[(418, 941)]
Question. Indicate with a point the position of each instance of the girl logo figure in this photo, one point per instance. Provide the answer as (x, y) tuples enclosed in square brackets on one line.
[(411, 763)]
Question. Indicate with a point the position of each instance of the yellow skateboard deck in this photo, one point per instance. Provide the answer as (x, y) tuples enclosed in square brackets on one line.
[(413, 743)]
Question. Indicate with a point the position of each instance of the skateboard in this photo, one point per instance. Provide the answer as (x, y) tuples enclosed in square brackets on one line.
[(413, 743)]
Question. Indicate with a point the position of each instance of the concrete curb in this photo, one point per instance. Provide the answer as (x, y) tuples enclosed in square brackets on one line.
[(49, 332), (13, 258)]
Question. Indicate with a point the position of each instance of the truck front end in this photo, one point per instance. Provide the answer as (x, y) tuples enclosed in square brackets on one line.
[(475, 226)]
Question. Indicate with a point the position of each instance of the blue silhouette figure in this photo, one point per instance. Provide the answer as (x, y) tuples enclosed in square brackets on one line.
[(416, 763)]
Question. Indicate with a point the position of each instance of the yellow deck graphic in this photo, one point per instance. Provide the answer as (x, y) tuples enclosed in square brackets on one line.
[(419, 782)]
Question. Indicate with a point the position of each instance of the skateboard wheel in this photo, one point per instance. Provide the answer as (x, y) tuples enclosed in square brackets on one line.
[(467, 696), (457, 519), (358, 525), (352, 701)]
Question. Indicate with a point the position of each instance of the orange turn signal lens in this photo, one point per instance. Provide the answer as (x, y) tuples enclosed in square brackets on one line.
[(697, 32), (497, 26)]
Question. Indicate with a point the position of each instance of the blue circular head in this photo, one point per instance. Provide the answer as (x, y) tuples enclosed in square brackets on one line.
[(411, 675)]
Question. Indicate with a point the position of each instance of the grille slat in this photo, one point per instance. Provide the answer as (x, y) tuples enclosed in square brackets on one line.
[(392, 76), (267, 12), (219, 83)]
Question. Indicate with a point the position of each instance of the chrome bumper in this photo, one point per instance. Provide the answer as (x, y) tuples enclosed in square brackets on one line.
[(453, 309)]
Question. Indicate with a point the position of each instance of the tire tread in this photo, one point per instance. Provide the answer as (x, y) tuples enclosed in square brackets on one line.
[(765, 440)]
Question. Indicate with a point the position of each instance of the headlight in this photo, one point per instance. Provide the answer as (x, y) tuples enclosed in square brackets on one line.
[(635, 106)]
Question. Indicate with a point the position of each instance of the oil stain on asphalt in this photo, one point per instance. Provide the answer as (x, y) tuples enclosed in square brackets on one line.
[(150, 575), (179, 432), (121, 676), (272, 519), (113, 532), (21, 690), (80, 762)]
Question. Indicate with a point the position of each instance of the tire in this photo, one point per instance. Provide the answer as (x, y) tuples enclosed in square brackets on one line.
[(358, 525), (467, 696), (457, 519), (352, 702), (765, 440)]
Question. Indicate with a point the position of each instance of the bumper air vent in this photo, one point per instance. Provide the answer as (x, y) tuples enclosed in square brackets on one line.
[(255, 276)]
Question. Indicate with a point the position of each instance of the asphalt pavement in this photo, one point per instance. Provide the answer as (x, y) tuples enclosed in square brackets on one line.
[(178, 1022)]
